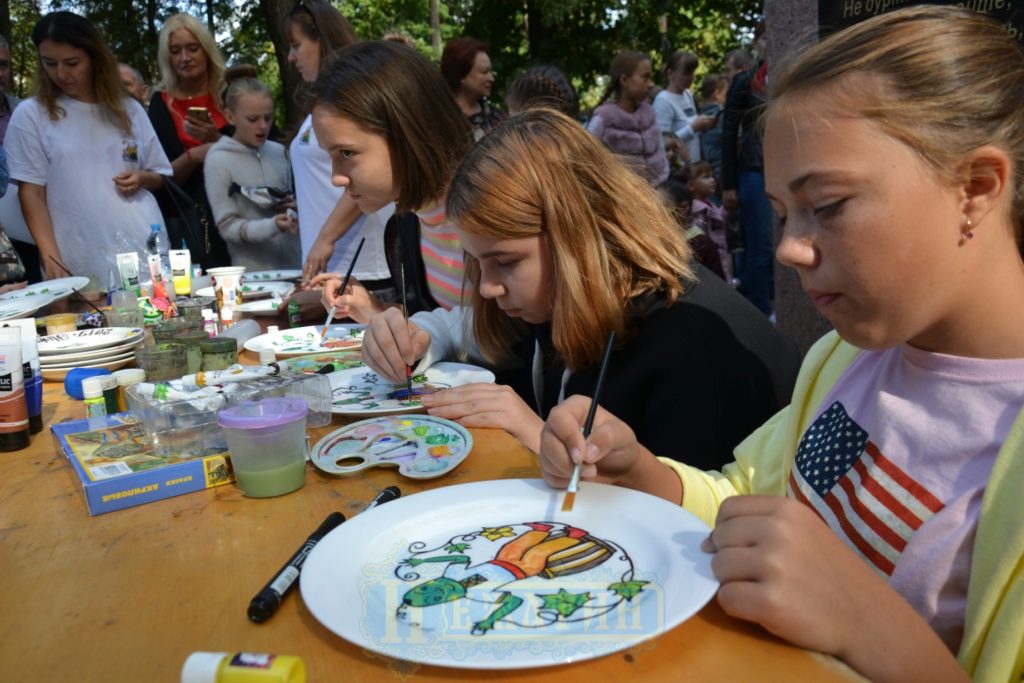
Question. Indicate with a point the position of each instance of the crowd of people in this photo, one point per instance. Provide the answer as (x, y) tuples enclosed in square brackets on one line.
[(863, 499)]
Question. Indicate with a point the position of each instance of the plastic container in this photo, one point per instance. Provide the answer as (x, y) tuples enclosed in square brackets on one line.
[(179, 425), (267, 440), (193, 308), (124, 310), (219, 353), (31, 372), (242, 331), (61, 322), (162, 361), (190, 339), (242, 667)]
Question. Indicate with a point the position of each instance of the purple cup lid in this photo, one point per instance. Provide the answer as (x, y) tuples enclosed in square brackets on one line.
[(268, 412)]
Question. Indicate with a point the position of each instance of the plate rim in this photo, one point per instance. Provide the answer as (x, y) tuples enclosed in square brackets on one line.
[(392, 515), (73, 282), (139, 332)]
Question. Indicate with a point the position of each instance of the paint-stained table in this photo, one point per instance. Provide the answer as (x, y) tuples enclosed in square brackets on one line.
[(126, 596)]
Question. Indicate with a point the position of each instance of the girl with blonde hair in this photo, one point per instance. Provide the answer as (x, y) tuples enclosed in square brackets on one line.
[(887, 527), (563, 246)]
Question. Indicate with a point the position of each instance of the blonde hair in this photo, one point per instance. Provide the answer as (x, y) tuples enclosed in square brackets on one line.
[(949, 80), (244, 86), (71, 29), (610, 236), (214, 59)]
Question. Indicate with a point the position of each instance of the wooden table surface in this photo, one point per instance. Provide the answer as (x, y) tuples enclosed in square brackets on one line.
[(127, 595)]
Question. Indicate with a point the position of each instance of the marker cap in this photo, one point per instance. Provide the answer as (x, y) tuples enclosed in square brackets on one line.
[(201, 667)]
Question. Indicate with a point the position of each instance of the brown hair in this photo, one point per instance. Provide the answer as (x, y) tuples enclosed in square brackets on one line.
[(681, 60), (543, 86), (949, 80), (319, 20), (624, 64), (457, 59), (611, 238), (68, 28), (390, 89)]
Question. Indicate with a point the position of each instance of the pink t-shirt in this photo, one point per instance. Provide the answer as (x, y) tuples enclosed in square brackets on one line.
[(897, 462)]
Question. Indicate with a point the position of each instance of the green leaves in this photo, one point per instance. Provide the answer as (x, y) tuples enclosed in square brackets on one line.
[(564, 602), (627, 589)]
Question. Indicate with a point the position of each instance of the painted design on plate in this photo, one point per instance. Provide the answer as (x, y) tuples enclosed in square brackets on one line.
[(273, 275), (518, 579), (341, 360), (421, 446), (370, 391), (55, 289), (311, 342)]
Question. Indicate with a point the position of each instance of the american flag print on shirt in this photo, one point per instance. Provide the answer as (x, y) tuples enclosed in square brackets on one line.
[(866, 499)]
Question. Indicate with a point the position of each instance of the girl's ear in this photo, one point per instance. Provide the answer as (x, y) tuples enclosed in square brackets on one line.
[(986, 183), (229, 116)]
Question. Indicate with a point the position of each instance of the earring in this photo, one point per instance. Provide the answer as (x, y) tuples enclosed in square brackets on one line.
[(968, 231)]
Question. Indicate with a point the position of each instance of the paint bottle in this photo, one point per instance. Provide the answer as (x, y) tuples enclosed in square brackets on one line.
[(92, 393), (31, 372), (14, 430), (294, 314), (109, 394), (210, 322), (242, 667)]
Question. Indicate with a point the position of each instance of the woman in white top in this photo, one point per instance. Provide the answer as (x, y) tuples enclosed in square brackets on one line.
[(330, 224), (84, 154)]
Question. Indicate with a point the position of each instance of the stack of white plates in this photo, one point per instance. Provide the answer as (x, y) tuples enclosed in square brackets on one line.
[(102, 347)]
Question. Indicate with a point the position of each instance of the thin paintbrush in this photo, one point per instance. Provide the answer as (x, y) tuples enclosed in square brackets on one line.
[(344, 285), (574, 481), (61, 266), (405, 312)]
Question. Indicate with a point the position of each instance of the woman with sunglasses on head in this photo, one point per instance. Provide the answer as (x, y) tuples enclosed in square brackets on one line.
[(83, 152), (186, 112)]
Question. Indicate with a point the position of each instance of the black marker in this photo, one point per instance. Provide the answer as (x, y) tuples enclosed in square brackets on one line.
[(386, 496), (266, 602)]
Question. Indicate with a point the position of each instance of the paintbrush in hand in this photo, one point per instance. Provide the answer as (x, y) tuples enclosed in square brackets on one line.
[(405, 312), (574, 481), (344, 286), (61, 266)]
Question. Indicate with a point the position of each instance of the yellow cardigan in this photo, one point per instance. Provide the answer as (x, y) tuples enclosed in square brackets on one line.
[(992, 649)]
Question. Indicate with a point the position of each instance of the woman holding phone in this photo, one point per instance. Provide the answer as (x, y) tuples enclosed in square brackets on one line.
[(186, 113)]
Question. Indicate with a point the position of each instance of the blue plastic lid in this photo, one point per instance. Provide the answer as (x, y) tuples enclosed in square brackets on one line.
[(73, 380), (268, 412)]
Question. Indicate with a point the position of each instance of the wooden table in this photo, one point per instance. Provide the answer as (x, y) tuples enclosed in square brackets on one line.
[(127, 595)]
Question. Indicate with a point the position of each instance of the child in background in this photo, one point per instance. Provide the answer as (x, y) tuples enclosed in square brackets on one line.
[(626, 122), (543, 86), (680, 202), (712, 94), (394, 134), (889, 530), (708, 215), (676, 109), (249, 184), (564, 245)]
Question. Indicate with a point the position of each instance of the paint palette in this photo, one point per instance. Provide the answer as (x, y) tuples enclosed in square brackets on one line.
[(341, 360), (421, 446)]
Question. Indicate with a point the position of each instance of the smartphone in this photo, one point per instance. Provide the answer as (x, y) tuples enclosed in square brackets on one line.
[(199, 113)]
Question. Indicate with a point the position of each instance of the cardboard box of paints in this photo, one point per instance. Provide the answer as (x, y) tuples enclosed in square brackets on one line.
[(113, 464)]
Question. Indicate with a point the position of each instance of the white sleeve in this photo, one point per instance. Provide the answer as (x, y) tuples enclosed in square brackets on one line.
[(151, 153), (24, 144), (665, 113), (229, 220), (450, 335), (596, 127)]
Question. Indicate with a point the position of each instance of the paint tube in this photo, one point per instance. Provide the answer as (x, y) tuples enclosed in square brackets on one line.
[(31, 372), (14, 430), (128, 267), (181, 271)]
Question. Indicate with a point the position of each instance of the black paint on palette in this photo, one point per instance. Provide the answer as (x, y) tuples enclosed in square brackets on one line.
[(834, 15)]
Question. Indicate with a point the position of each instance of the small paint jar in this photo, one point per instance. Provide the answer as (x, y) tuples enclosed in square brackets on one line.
[(192, 309), (193, 354), (242, 667), (219, 353), (61, 322), (110, 393), (164, 333), (92, 394), (162, 361)]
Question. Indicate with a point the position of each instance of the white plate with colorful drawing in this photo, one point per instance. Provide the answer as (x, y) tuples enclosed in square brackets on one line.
[(490, 575), (282, 275), (316, 362), (55, 289), (85, 340), (256, 290), (23, 306), (420, 446), (361, 391), (302, 340)]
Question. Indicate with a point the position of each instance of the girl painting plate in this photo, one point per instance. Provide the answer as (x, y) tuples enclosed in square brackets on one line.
[(491, 575)]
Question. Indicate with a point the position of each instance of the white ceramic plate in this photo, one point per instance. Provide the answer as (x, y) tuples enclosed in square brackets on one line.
[(23, 306), (342, 360), (361, 391), (95, 362), (55, 289), (58, 374), (260, 307), (420, 446), (282, 275), (98, 354), (299, 341), (621, 568), (256, 290), (87, 340)]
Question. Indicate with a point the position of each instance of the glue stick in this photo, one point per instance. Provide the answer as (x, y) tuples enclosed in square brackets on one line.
[(242, 667)]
